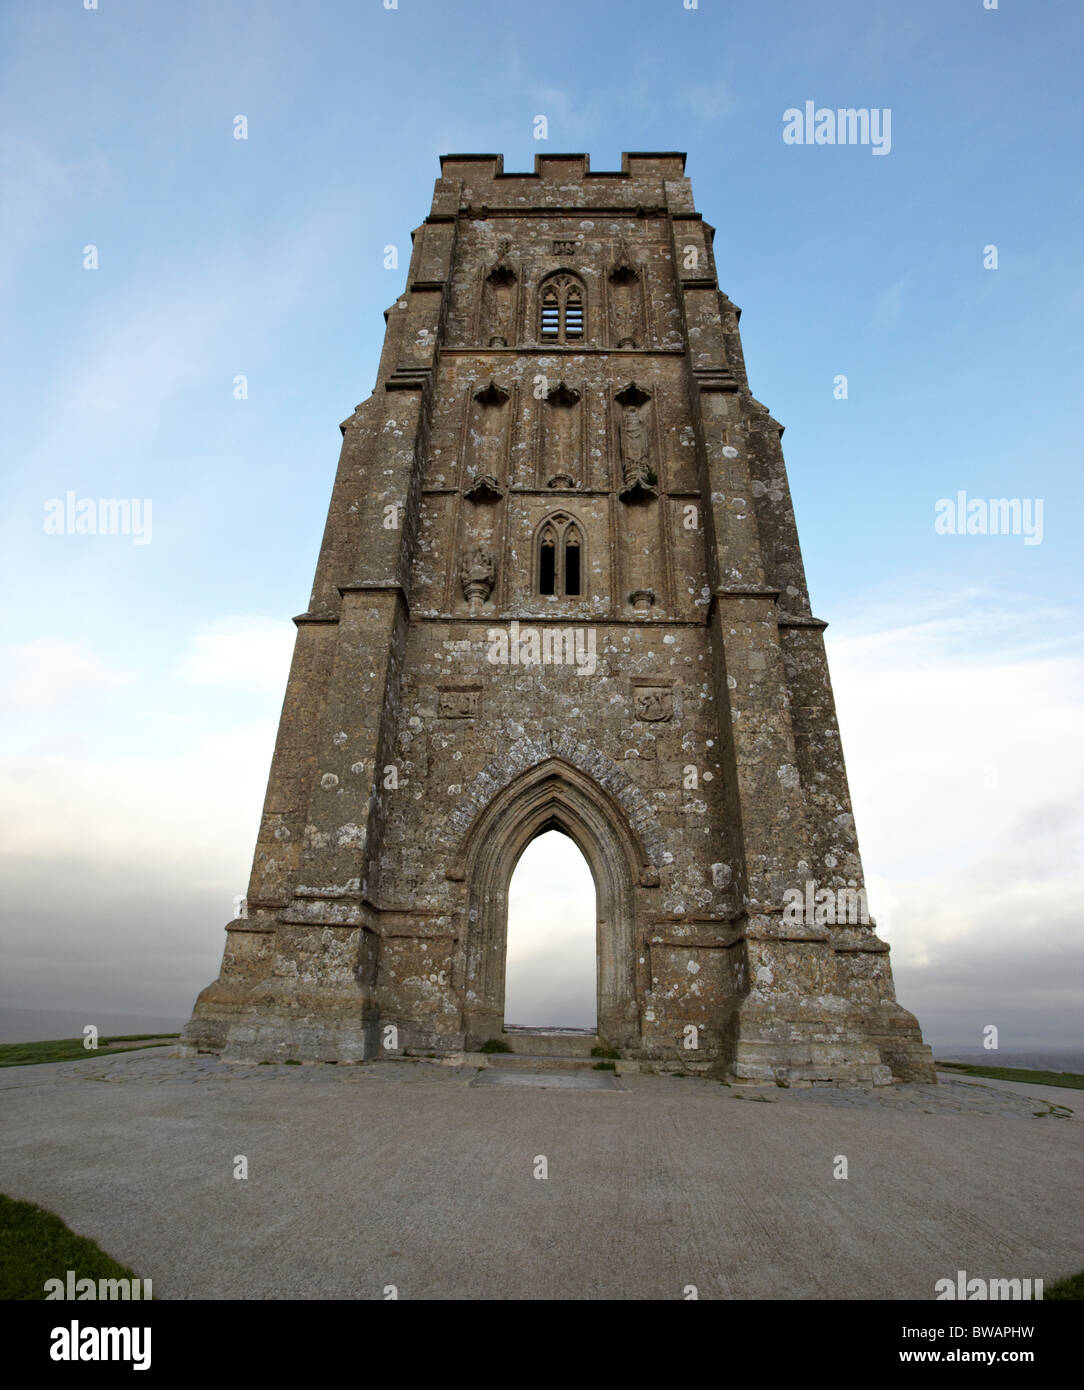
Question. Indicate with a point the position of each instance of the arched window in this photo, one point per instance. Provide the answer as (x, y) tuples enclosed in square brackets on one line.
[(562, 309), (560, 558)]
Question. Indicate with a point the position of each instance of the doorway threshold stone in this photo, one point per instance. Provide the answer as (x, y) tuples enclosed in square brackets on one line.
[(550, 1080)]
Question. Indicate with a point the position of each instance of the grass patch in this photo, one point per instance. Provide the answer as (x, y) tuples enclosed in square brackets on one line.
[(1070, 1287), (291, 1062), (35, 1245), (606, 1052), (29, 1054), (495, 1045), (604, 1066), (1070, 1079)]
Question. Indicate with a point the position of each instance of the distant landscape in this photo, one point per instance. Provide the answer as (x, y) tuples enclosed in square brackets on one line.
[(36, 1025), (1042, 1059)]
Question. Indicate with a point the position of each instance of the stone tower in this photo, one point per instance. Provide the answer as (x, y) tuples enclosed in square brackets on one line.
[(560, 588)]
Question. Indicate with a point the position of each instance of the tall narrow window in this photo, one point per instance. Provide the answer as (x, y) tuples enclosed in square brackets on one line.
[(547, 561), (572, 562), (562, 309), (551, 314), (574, 314), (560, 567)]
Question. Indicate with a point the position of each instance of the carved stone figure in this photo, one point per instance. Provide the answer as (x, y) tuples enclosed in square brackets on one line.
[(653, 703), (458, 702), (636, 450), (499, 296), (625, 296), (478, 575), (624, 327)]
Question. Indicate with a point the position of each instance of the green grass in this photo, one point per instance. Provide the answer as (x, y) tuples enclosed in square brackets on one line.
[(29, 1054), (611, 1052), (495, 1045), (35, 1245), (1070, 1287), (604, 1066), (1070, 1079)]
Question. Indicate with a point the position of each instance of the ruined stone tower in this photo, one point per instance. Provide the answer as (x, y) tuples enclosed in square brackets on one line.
[(560, 587)]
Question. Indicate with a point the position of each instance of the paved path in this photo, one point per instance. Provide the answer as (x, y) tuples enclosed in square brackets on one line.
[(406, 1174)]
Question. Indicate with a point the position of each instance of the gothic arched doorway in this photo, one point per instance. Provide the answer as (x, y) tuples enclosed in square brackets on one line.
[(551, 956), (553, 795)]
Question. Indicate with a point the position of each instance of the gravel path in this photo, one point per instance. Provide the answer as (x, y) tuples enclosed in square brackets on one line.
[(406, 1174)]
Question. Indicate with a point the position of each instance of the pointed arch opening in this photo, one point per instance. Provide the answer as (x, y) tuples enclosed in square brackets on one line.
[(552, 795), (562, 308), (551, 961), (560, 570)]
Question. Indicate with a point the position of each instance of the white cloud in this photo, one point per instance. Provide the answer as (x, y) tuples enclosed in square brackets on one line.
[(121, 873), (246, 652), (708, 100), (190, 808), (889, 304), (159, 333), (189, 813), (46, 673), (38, 187), (953, 730), (964, 752)]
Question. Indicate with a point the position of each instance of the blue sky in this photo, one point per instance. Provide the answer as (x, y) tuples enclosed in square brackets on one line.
[(135, 673)]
